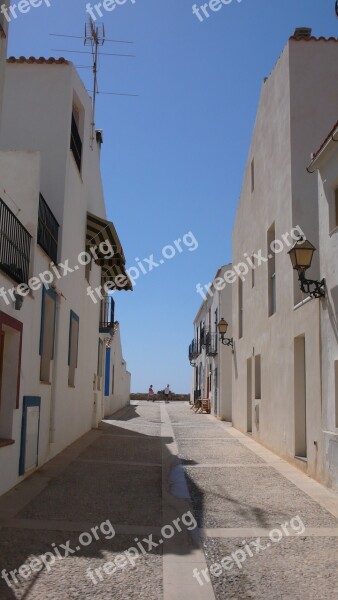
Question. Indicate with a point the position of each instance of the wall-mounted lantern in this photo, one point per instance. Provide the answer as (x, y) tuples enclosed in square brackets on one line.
[(301, 255), (222, 330)]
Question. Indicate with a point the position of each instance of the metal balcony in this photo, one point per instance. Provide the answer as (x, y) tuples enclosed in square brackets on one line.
[(48, 230), (211, 344), (193, 350), (107, 316), (15, 242)]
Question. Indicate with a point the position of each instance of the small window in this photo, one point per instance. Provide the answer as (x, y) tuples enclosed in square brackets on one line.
[(258, 378), (252, 175), (336, 392), (99, 364), (272, 301), (253, 271), (240, 308), (73, 347), (336, 208), (75, 138), (88, 269), (47, 333)]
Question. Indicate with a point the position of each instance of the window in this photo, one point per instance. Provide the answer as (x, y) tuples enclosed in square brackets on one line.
[(271, 235), (10, 372), (336, 208), (73, 347), (240, 308), (99, 364), (336, 392), (47, 333), (88, 268), (252, 175), (75, 139), (15, 242), (48, 230), (216, 329), (258, 384)]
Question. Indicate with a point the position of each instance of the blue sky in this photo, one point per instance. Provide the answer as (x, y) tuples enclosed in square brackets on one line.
[(173, 157)]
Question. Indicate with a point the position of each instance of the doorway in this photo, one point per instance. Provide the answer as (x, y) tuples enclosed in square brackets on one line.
[(249, 394), (300, 397)]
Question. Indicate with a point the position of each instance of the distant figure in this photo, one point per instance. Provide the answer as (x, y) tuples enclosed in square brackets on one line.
[(151, 394), (167, 393)]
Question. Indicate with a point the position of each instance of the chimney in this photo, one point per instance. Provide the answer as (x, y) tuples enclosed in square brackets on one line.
[(303, 33)]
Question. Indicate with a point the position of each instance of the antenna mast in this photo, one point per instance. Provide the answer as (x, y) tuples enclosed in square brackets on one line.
[(94, 37)]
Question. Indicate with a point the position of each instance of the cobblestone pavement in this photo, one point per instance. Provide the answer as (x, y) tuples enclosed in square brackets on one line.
[(265, 530)]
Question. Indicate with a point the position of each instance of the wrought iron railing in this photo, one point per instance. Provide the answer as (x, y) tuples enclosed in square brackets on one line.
[(107, 317), (211, 344), (76, 144), (48, 230), (193, 350), (15, 242)]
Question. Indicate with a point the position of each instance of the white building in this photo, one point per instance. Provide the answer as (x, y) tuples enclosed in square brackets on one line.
[(326, 161), (60, 351), (277, 393), (212, 360)]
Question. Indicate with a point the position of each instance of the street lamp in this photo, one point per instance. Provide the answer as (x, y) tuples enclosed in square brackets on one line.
[(222, 329), (301, 255)]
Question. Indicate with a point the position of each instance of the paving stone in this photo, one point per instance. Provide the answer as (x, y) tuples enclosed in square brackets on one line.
[(130, 429), (200, 431), (216, 451), (296, 568), (92, 489), (139, 449), (68, 579), (244, 497), (87, 491)]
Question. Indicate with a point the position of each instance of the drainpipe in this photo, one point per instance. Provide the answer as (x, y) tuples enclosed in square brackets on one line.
[(54, 370)]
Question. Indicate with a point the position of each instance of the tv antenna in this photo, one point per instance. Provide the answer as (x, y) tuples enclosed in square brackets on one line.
[(94, 37)]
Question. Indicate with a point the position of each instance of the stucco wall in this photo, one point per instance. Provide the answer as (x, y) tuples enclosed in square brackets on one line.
[(328, 238), (289, 126), (37, 117)]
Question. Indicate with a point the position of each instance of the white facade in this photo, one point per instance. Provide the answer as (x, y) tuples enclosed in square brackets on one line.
[(277, 395), (326, 163), (212, 374), (63, 373)]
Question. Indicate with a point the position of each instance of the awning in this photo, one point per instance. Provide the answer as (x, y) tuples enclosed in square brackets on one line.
[(101, 231)]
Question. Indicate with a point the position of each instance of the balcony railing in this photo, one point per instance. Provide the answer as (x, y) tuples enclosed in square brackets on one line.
[(202, 338), (76, 144), (107, 317), (195, 349), (211, 344), (48, 230), (15, 242)]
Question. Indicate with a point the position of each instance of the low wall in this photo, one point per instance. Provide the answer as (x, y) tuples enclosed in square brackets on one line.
[(176, 397)]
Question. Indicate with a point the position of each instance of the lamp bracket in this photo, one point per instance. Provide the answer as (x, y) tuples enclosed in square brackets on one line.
[(227, 341), (316, 289)]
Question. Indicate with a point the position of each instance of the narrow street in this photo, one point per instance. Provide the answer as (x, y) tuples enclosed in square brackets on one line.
[(139, 476)]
